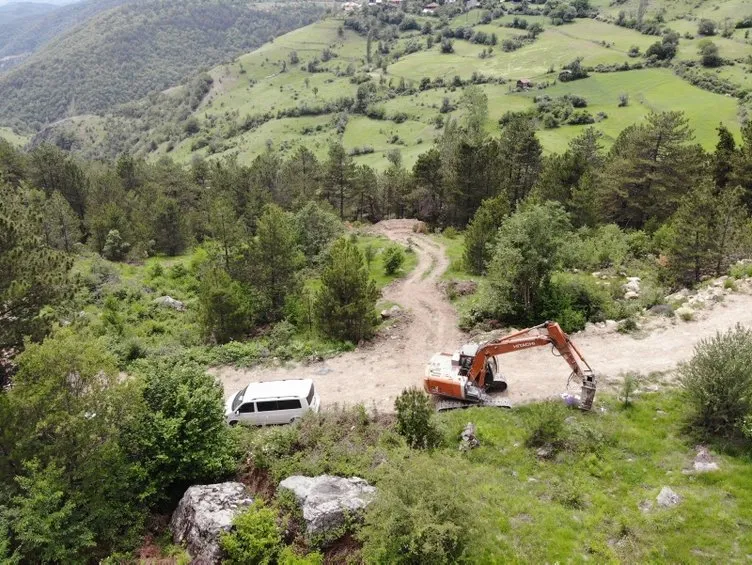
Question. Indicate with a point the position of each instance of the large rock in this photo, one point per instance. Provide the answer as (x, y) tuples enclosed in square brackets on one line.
[(704, 462), (468, 439), (170, 302), (204, 512), (326, 501)]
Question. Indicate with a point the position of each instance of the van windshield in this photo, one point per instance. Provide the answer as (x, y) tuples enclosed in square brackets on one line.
[(311, 392), (237, 401)]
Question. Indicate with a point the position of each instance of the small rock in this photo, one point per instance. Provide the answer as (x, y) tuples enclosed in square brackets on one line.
[(597, 274), (545, 452), (465, 288), (703, 462), (468, 439), (170, 302), (646, 506), (660, 412), (392, 312), (631, 295), (667, 498), (611, 324), (678, 296), (662, 310)]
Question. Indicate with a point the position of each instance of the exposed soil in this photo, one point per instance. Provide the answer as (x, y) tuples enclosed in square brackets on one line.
[(376, 373)]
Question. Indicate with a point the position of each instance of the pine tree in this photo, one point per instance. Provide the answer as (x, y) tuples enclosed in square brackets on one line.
[(345, 304), (340, 173), (481, 233), (723, 157), (32, 274)]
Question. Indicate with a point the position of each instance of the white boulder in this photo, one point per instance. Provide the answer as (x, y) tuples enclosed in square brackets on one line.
[(204, 512), (327, 501)]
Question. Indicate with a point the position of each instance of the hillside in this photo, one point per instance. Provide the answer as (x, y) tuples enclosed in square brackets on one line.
[(35, 24), (291, 93), (128, 51)]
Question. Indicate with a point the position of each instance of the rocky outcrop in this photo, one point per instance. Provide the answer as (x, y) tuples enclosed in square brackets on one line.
[(170, 302), (327, 501), (204, 512)]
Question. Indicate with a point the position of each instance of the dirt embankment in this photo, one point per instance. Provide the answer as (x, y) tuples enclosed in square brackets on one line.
[(377, 372)]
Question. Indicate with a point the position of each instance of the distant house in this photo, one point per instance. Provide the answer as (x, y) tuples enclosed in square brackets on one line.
[(350, 6), (470, 4), (524, 83), (430, 9)]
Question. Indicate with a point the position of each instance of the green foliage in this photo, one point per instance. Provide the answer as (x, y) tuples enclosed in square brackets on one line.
[(415, 419), (393, 258), (170, 43), (115, 249), (32, 275), (717, 383), (288, 557), (415, 521), (183, 437), (225, 308), (546, 425), (345, 303), (44, 520), (628, 388), (526, 254), (255, 537), (317, 228), (480, 235)]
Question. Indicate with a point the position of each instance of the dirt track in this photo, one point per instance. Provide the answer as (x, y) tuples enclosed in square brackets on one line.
[(376, 373)]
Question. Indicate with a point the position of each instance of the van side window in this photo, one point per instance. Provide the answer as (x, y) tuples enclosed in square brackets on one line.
[(310, 396), (246, 408), (267, 406), (293, 404)]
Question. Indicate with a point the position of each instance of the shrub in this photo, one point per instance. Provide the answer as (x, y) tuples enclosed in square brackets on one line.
[(450, 232), (393, 259), (545, 425), (717, 383), (628, 388), (255, 538), (288, 557), (413, 521), (414, 418)]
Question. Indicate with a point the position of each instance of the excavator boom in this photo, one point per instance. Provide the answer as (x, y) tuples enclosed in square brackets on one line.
[(475, 372)]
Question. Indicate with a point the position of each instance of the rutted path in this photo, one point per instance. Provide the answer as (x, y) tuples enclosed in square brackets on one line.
[(377, 372)]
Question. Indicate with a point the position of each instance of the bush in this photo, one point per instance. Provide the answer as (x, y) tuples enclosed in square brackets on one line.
[(393, 259), (414, 419), (628, 388), (573, 300), (255, 537), (717, 383), (413, 521), (545, 426)]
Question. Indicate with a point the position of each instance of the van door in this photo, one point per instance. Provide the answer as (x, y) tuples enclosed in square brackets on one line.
[(267, 410), (288, 410), (246, 413)]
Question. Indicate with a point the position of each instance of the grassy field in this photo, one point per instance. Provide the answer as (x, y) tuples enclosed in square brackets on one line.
[(12, 137), (648, 90), (592, 499), (274, 80)]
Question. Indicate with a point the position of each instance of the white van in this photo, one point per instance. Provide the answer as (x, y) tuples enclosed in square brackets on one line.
[(272, 402)]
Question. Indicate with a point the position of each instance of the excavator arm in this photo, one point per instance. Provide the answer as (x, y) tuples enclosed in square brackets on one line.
[(547, 333)]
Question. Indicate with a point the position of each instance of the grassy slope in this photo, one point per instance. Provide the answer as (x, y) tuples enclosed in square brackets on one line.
[(9, 135), (582, 505), (253, 85)]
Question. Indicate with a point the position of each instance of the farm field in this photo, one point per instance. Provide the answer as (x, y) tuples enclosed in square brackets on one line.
[(298, 89)]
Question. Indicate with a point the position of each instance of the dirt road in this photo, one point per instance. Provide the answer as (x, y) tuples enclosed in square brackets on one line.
[(376, 373)]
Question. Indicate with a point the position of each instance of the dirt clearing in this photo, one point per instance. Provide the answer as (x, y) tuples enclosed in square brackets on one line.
[(377, 372)]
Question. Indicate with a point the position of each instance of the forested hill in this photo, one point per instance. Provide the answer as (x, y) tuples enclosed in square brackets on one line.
[(24, 27), (133, 49)]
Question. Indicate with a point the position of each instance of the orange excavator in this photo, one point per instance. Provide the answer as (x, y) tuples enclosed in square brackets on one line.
[(466, 377)]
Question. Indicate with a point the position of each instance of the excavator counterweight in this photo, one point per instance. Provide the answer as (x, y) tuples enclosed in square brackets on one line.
[(466, 377)]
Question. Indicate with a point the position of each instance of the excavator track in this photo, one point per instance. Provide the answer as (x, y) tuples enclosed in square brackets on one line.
[(444, 405)]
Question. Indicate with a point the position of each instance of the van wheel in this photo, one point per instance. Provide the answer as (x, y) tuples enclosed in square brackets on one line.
[(234, 423), (293, 420)]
